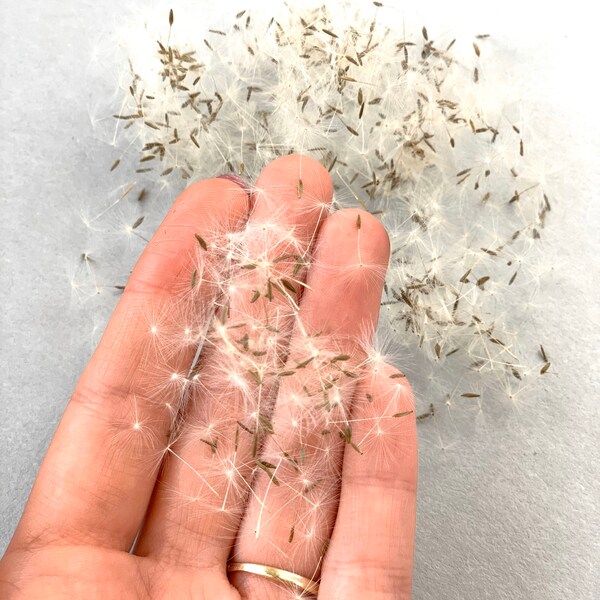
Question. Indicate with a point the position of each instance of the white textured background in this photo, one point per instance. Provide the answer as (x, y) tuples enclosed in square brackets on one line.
[(509, 493)]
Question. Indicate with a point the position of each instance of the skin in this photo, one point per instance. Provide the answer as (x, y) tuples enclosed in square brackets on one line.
[(99, 484)]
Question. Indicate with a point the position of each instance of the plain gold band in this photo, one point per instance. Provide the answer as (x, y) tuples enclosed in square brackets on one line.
[(307, 585)]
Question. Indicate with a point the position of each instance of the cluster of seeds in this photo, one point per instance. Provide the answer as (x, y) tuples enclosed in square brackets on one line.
[(410, 129)]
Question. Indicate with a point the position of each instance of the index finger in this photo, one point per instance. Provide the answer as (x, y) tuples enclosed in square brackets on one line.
[(97, 477)]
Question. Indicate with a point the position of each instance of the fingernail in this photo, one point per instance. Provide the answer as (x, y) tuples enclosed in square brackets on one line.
[(237, 180)]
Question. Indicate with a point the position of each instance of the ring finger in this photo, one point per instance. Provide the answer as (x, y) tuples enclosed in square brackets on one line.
[(292, 509)]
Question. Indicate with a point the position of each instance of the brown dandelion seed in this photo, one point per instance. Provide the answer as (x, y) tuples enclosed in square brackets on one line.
[(402, 414), (545, 368), (304, 363), (201, 241), (289, 286), (115, 164), (429, 413), (137, 223)]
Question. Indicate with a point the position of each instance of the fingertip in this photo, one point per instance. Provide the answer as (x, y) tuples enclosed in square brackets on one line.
[(215, 194), (297, 177), (350, 224)]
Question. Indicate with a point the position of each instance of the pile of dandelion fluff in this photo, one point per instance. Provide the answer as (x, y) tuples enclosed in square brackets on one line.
[(412, 128)]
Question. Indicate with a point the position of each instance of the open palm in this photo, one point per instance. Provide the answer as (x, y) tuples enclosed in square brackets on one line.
[(234, 410)]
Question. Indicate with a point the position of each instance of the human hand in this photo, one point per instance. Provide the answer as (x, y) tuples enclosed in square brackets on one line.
[(286, 442)]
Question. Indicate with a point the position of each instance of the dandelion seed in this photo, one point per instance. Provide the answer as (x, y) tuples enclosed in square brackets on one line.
[(465, 277), (286, 373), (427, 415), (288, 285), (115, 164), (201, 241), (212, 444), (351, 130), (545, 368), (402, 414), (137, 223), (340, 357), (470, 395)]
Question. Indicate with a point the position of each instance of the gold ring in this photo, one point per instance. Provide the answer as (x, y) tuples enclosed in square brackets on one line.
[(279, 575)]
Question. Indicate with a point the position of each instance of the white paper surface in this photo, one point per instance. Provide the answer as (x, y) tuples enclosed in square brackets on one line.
[(508, 492)]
